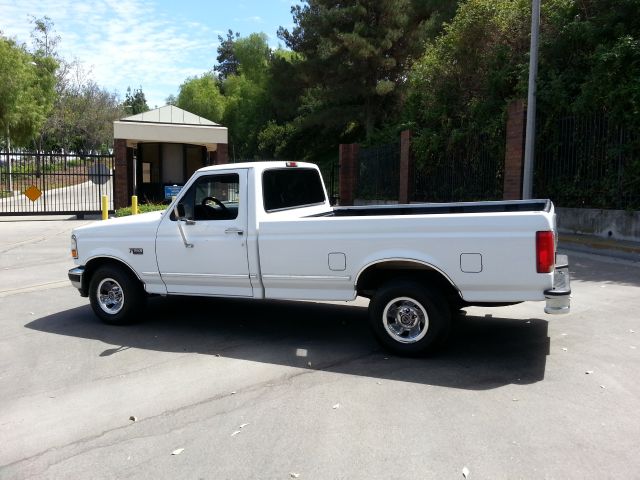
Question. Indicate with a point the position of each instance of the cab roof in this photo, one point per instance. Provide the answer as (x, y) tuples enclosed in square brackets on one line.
[(258, 166)]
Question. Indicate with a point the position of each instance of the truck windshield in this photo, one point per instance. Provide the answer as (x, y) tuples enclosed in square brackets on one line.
[(291, 187)]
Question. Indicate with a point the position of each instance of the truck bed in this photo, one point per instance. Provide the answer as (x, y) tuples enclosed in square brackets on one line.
[(441, 208)]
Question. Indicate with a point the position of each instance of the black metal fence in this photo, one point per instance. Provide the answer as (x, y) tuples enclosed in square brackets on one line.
[(588, 162), (379, 172), (330, 174), (54, 183), (471, 170)]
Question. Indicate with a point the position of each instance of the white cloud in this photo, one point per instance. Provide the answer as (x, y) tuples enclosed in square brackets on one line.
[(252, 19), (123, 42)]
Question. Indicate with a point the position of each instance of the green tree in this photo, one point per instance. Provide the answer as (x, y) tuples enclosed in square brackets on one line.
[(227, 60), (171, 100), (201, 95), (590, 59), (135, 102), (83, 114), (44, 38), (26, 92), (246, 97), (464, 80), (356, 57)]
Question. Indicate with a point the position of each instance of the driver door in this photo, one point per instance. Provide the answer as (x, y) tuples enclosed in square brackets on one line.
[(211, 257)]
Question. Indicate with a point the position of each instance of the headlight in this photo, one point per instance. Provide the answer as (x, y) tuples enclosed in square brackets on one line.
[(74, 246)]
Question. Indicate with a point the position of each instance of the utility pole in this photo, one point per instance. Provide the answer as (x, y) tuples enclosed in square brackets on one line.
[(529, 144)]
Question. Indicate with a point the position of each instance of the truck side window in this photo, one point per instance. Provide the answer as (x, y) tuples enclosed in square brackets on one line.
[(214, 197)]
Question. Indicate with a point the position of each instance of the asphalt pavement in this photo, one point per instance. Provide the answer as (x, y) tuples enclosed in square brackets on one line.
[(239, 389)]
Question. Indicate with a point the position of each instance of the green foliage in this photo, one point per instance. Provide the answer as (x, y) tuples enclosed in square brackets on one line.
[(142, 208), (246, 99), (461, 85), (590, 59), (135, 102), (356, 56), (45, 40), (227, 60), (253, 55), (201, 95), (589, 63), (245, 113), (82, 116), (273, 139), (26, 91)]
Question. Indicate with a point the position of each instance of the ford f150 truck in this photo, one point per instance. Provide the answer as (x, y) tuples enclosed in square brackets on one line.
[(266, 230)]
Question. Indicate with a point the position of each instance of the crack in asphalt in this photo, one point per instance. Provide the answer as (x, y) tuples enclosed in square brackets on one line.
[(279, 381), (33, 288)]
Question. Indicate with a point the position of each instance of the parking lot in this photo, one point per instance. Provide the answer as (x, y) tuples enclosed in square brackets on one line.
[(239, 389)]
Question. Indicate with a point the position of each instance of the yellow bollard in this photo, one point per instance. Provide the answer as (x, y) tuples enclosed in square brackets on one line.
[(105, 207), (134, 204)]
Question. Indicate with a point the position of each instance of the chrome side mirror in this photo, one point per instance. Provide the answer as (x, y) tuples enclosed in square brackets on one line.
[(179, 213)]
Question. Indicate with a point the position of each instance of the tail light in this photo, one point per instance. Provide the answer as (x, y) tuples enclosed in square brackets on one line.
[(545, 252)]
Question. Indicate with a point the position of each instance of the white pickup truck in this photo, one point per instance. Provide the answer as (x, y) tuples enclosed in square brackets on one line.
[(266, 230)]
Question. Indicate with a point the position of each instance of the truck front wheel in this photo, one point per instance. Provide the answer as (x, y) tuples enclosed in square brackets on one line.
[(409, 318), (116, 297)]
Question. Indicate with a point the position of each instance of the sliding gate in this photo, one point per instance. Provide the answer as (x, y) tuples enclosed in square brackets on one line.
[(52, 183)]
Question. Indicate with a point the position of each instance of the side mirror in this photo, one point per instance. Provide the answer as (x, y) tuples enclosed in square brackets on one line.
[(180, 213)]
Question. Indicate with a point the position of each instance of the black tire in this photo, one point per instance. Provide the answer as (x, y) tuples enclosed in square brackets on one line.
[(409, 318), (116, 296)]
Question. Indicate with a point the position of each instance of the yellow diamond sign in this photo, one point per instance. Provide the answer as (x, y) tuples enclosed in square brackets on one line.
[(33, 193)]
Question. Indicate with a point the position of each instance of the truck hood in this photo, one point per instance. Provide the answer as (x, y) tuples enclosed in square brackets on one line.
[(144, 225)]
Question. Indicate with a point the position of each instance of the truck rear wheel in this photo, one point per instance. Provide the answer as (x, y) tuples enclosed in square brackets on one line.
[(116, 297), (409, 318)]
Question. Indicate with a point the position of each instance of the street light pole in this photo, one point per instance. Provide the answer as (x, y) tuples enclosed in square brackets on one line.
[(529, 144)]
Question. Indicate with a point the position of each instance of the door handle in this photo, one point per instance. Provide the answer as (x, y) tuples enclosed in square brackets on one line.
[(237, 231)]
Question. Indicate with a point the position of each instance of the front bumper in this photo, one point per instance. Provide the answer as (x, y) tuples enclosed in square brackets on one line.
[(559, 297), (75, 276)]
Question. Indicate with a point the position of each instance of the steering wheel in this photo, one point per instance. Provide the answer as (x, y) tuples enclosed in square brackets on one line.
[(214, 200)]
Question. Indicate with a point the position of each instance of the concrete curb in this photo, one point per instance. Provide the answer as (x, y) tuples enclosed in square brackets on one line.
[(601, 246)]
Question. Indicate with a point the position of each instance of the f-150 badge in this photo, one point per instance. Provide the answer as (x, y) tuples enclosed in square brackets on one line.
[(136, 251)]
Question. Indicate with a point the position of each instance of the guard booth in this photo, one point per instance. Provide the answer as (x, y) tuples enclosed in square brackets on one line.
[(157, 151)]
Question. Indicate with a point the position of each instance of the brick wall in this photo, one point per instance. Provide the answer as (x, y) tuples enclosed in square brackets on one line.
[(122, 174), (348, 172), (222, 154), (514, 152)]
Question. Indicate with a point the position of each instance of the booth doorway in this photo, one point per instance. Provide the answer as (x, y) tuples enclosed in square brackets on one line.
[(161, 165)]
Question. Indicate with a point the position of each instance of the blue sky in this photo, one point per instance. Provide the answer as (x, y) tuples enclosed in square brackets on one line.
[(155, 44)]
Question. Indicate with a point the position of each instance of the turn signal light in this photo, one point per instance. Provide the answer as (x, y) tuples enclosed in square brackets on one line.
[(74, 246), (545, 252)]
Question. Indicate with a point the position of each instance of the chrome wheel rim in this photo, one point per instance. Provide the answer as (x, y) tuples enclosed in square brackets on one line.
[(110, 296), (405, 320)]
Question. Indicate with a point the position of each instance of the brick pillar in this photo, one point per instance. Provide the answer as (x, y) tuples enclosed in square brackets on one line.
[(348, 172), (514, 152), (121, 180), (406, 168), (222, 154)]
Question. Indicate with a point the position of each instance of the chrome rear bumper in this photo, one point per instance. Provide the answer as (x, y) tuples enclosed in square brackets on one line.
[(559, 297)]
